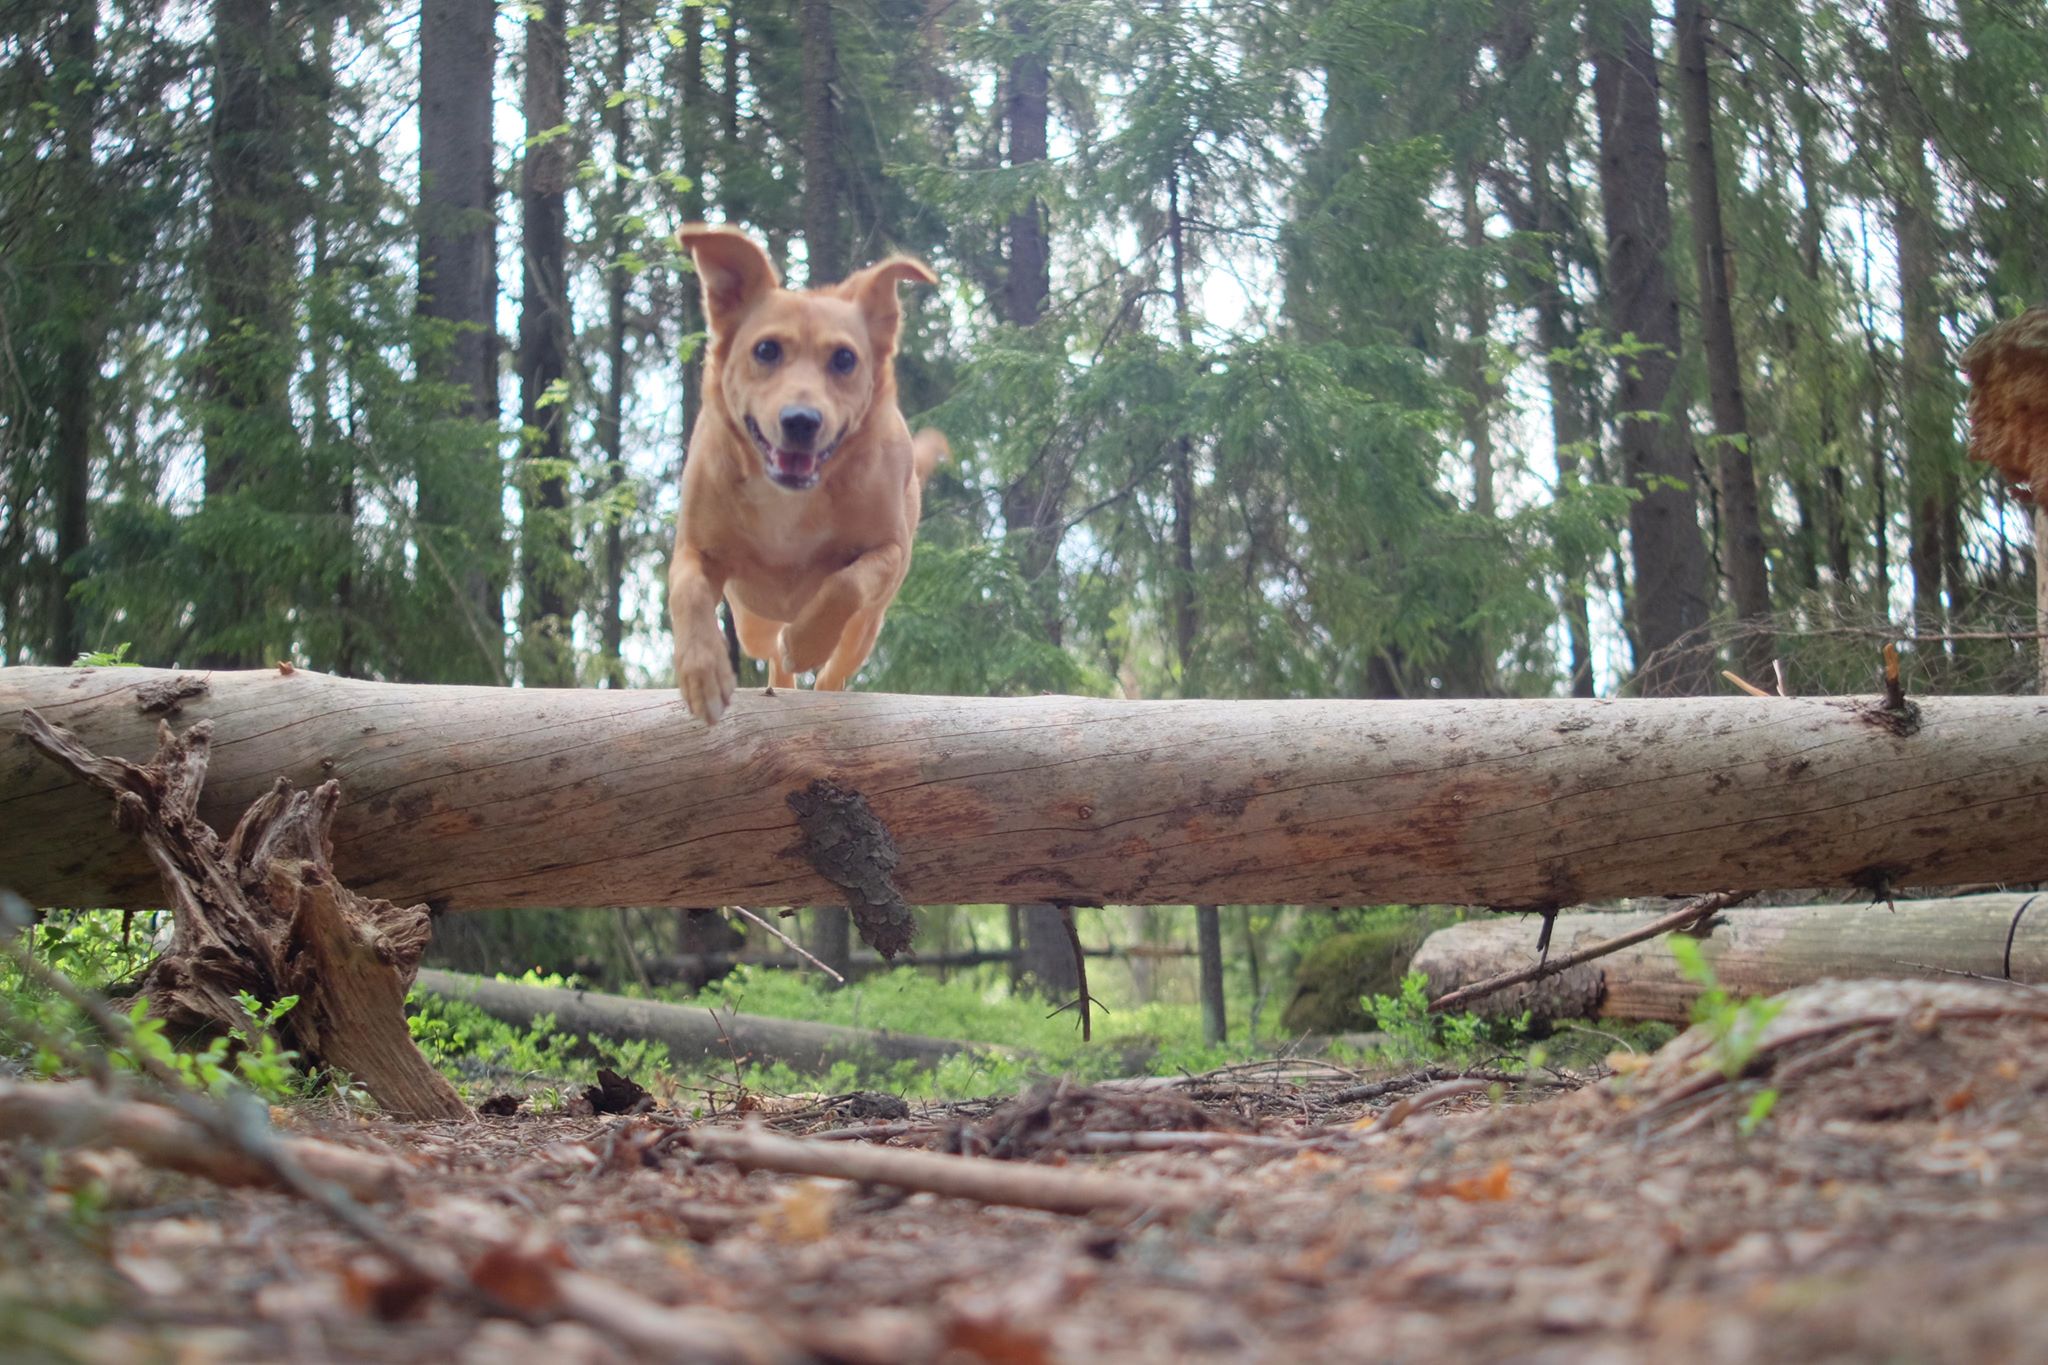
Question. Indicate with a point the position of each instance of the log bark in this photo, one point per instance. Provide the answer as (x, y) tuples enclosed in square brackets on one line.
[(1752, 952), (474, 798), (691, 1032)]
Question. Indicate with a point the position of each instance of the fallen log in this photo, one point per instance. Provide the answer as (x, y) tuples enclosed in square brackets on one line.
[(1752, 952), (470, 798), (692, 1032)]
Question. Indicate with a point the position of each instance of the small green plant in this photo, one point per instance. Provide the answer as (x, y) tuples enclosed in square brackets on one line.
[(1414, 1035), (117, 657), (1735, 1026)]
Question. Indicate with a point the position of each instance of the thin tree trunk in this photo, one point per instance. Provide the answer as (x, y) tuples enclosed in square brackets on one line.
[(78, 358), (1186, 612), (547, 567), (1045, 955), (1742, 537), (611, 424), (1670, 555), (461, 491), (824, 181), (1924, 405), (1209, 950)]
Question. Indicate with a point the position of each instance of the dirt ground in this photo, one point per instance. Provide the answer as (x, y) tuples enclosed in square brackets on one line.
[(1892, 1206)]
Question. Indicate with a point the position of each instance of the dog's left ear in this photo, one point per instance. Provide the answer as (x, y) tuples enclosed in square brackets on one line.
[(874, 289)]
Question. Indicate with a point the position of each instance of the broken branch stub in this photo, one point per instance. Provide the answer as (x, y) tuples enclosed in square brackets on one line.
[(263, 913), (850, 847)]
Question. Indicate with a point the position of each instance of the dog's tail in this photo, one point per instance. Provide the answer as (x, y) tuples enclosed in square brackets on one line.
[(928, 450)]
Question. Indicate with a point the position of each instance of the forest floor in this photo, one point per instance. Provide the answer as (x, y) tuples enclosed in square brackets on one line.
[(1892, 1205)]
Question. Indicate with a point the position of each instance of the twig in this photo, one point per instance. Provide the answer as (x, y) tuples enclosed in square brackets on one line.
[(1405, 1108), (864, 1132), (1159, 1141), (1746, 686), (1974, 976), (1073, 933), (793, 945), (1354, 1094), (1054, 1189), (1684, 917), (77, 1113)]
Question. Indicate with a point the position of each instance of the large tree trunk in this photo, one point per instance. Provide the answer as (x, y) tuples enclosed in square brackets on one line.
[(547, 565), (1742, 532), (1752, 952), (246, 363), (1670, 556), (475, 798), (460, 491), (1045, 955)]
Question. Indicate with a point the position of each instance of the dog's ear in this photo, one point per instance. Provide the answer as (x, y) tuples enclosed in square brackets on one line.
[(733, 270), (874, 289)]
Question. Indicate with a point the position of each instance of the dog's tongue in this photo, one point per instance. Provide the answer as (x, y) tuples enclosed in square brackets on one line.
[(795, 464)]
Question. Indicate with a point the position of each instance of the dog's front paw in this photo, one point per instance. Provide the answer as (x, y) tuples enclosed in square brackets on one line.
[(799, 655), (705, 678)]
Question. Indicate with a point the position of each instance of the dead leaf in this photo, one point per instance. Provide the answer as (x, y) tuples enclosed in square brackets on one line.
[(1490, 1188), (997, 1341), (522, 1275), (500, 1106), (615, 1094), (385, 1291), (804, 1211)]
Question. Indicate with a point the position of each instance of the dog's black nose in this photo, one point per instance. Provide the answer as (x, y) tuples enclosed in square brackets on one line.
[(800, 425)]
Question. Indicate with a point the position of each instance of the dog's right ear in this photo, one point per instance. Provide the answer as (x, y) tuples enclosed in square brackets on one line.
[(733, 270)]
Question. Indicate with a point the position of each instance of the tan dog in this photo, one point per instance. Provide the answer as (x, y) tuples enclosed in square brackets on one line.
[(803, 486)]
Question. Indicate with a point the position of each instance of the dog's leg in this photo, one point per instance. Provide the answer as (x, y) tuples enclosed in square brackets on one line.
[(703, 672), (760, 637), (866, 585), (855, 644)]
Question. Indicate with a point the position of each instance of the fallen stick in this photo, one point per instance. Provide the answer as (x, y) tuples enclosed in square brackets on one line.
[(1015, 1184), (1684, 917), (76, 1114)]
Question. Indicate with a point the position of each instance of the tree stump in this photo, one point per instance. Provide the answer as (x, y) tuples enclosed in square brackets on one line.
[(264, 913)]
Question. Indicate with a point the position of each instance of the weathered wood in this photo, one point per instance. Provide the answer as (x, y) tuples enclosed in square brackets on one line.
[(1752, 952), (470, 798), (691, 1032), (261, 913)]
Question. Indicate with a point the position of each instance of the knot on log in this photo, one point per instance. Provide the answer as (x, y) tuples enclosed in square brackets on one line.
[(851, 848)]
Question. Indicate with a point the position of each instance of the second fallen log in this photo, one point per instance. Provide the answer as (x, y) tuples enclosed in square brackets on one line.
[(1759, 951)]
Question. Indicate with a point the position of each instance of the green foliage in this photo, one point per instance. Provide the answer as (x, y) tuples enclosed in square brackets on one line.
[(1415, 1036), (1735, 1026)]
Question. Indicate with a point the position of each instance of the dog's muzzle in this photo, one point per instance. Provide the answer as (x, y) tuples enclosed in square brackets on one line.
[(796, 470)]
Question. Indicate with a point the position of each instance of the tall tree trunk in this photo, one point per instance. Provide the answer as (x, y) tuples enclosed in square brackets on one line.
[(1924, 400), (1034, 503), (1742, 534), (547, 551), (611, 422), (77, 86), (245, 365), (461, 491), (1476, 400), (1670, 556), (1186, 614), (824, 187)]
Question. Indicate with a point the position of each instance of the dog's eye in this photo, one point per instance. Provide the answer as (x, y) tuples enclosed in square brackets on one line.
[(843, 360), (767, 352)]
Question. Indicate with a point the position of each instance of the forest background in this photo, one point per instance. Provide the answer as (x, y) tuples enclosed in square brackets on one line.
[(1354, 348)]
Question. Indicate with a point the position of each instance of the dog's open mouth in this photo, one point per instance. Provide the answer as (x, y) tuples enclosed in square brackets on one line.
[(793, 469)]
